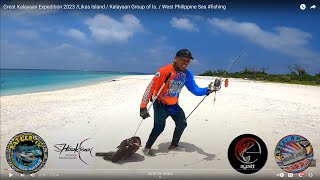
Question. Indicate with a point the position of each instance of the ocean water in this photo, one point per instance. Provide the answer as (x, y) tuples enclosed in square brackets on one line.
[(20, 81)]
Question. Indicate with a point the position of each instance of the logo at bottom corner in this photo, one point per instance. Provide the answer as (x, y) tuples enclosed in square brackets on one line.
[(82, 151), (26, 153), (293, 153), (247, 153)]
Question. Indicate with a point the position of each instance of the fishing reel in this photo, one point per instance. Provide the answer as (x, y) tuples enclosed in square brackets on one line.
[(216, 85)]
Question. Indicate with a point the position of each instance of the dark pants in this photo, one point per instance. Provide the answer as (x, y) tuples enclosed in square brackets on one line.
[(161, 113)]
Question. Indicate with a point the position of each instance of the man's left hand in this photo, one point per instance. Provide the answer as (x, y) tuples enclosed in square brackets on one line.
[(214, 86)]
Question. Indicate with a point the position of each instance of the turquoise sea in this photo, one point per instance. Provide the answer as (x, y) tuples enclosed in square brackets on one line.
[(20, 81)]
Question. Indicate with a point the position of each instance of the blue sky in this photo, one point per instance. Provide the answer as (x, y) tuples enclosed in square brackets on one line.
[(138, 41)]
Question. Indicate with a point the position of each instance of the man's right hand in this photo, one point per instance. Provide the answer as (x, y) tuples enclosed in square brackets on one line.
[(144, 113)]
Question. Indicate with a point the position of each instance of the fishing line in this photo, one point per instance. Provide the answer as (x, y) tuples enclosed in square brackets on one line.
[(228, 69)]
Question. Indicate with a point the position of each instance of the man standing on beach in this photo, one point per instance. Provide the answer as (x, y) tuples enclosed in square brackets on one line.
[(166, 103)]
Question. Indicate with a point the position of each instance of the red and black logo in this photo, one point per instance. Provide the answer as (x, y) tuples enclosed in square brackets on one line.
[(247, 153)]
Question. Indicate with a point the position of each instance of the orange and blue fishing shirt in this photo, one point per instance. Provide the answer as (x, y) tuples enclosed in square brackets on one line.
[(169, 95)]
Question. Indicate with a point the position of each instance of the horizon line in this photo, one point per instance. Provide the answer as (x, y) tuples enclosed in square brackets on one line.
[(74, 70)]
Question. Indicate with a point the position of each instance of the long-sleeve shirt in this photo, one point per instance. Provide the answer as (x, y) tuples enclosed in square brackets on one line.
[(170, 93)]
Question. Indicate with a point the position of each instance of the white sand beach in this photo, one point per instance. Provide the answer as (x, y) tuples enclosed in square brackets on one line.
[(108, 113)]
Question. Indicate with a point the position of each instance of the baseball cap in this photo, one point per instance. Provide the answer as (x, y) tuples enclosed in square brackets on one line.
[(184, 53)]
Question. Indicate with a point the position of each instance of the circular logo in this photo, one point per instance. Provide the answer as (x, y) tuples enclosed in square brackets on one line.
[(158, 74), (303, 6), (247, 153), (26, 153), (293, 153)]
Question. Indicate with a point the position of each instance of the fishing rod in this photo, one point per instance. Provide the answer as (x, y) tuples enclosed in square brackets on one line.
[(217, 81)]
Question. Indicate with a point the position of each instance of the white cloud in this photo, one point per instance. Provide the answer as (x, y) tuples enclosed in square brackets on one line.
[(161, 39), (29, 34), (86, 55), (76, 34), (286, 40), (59, 56), (159, 55), (196, 17), (62, 50), (160, 49), (108, 30), (63, 46), (183, 24)]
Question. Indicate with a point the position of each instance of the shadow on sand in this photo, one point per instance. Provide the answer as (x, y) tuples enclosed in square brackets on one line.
[(133, 158), (163, 150)]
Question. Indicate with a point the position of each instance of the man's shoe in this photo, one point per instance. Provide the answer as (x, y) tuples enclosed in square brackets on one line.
[(148, 152), (176, 148)]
